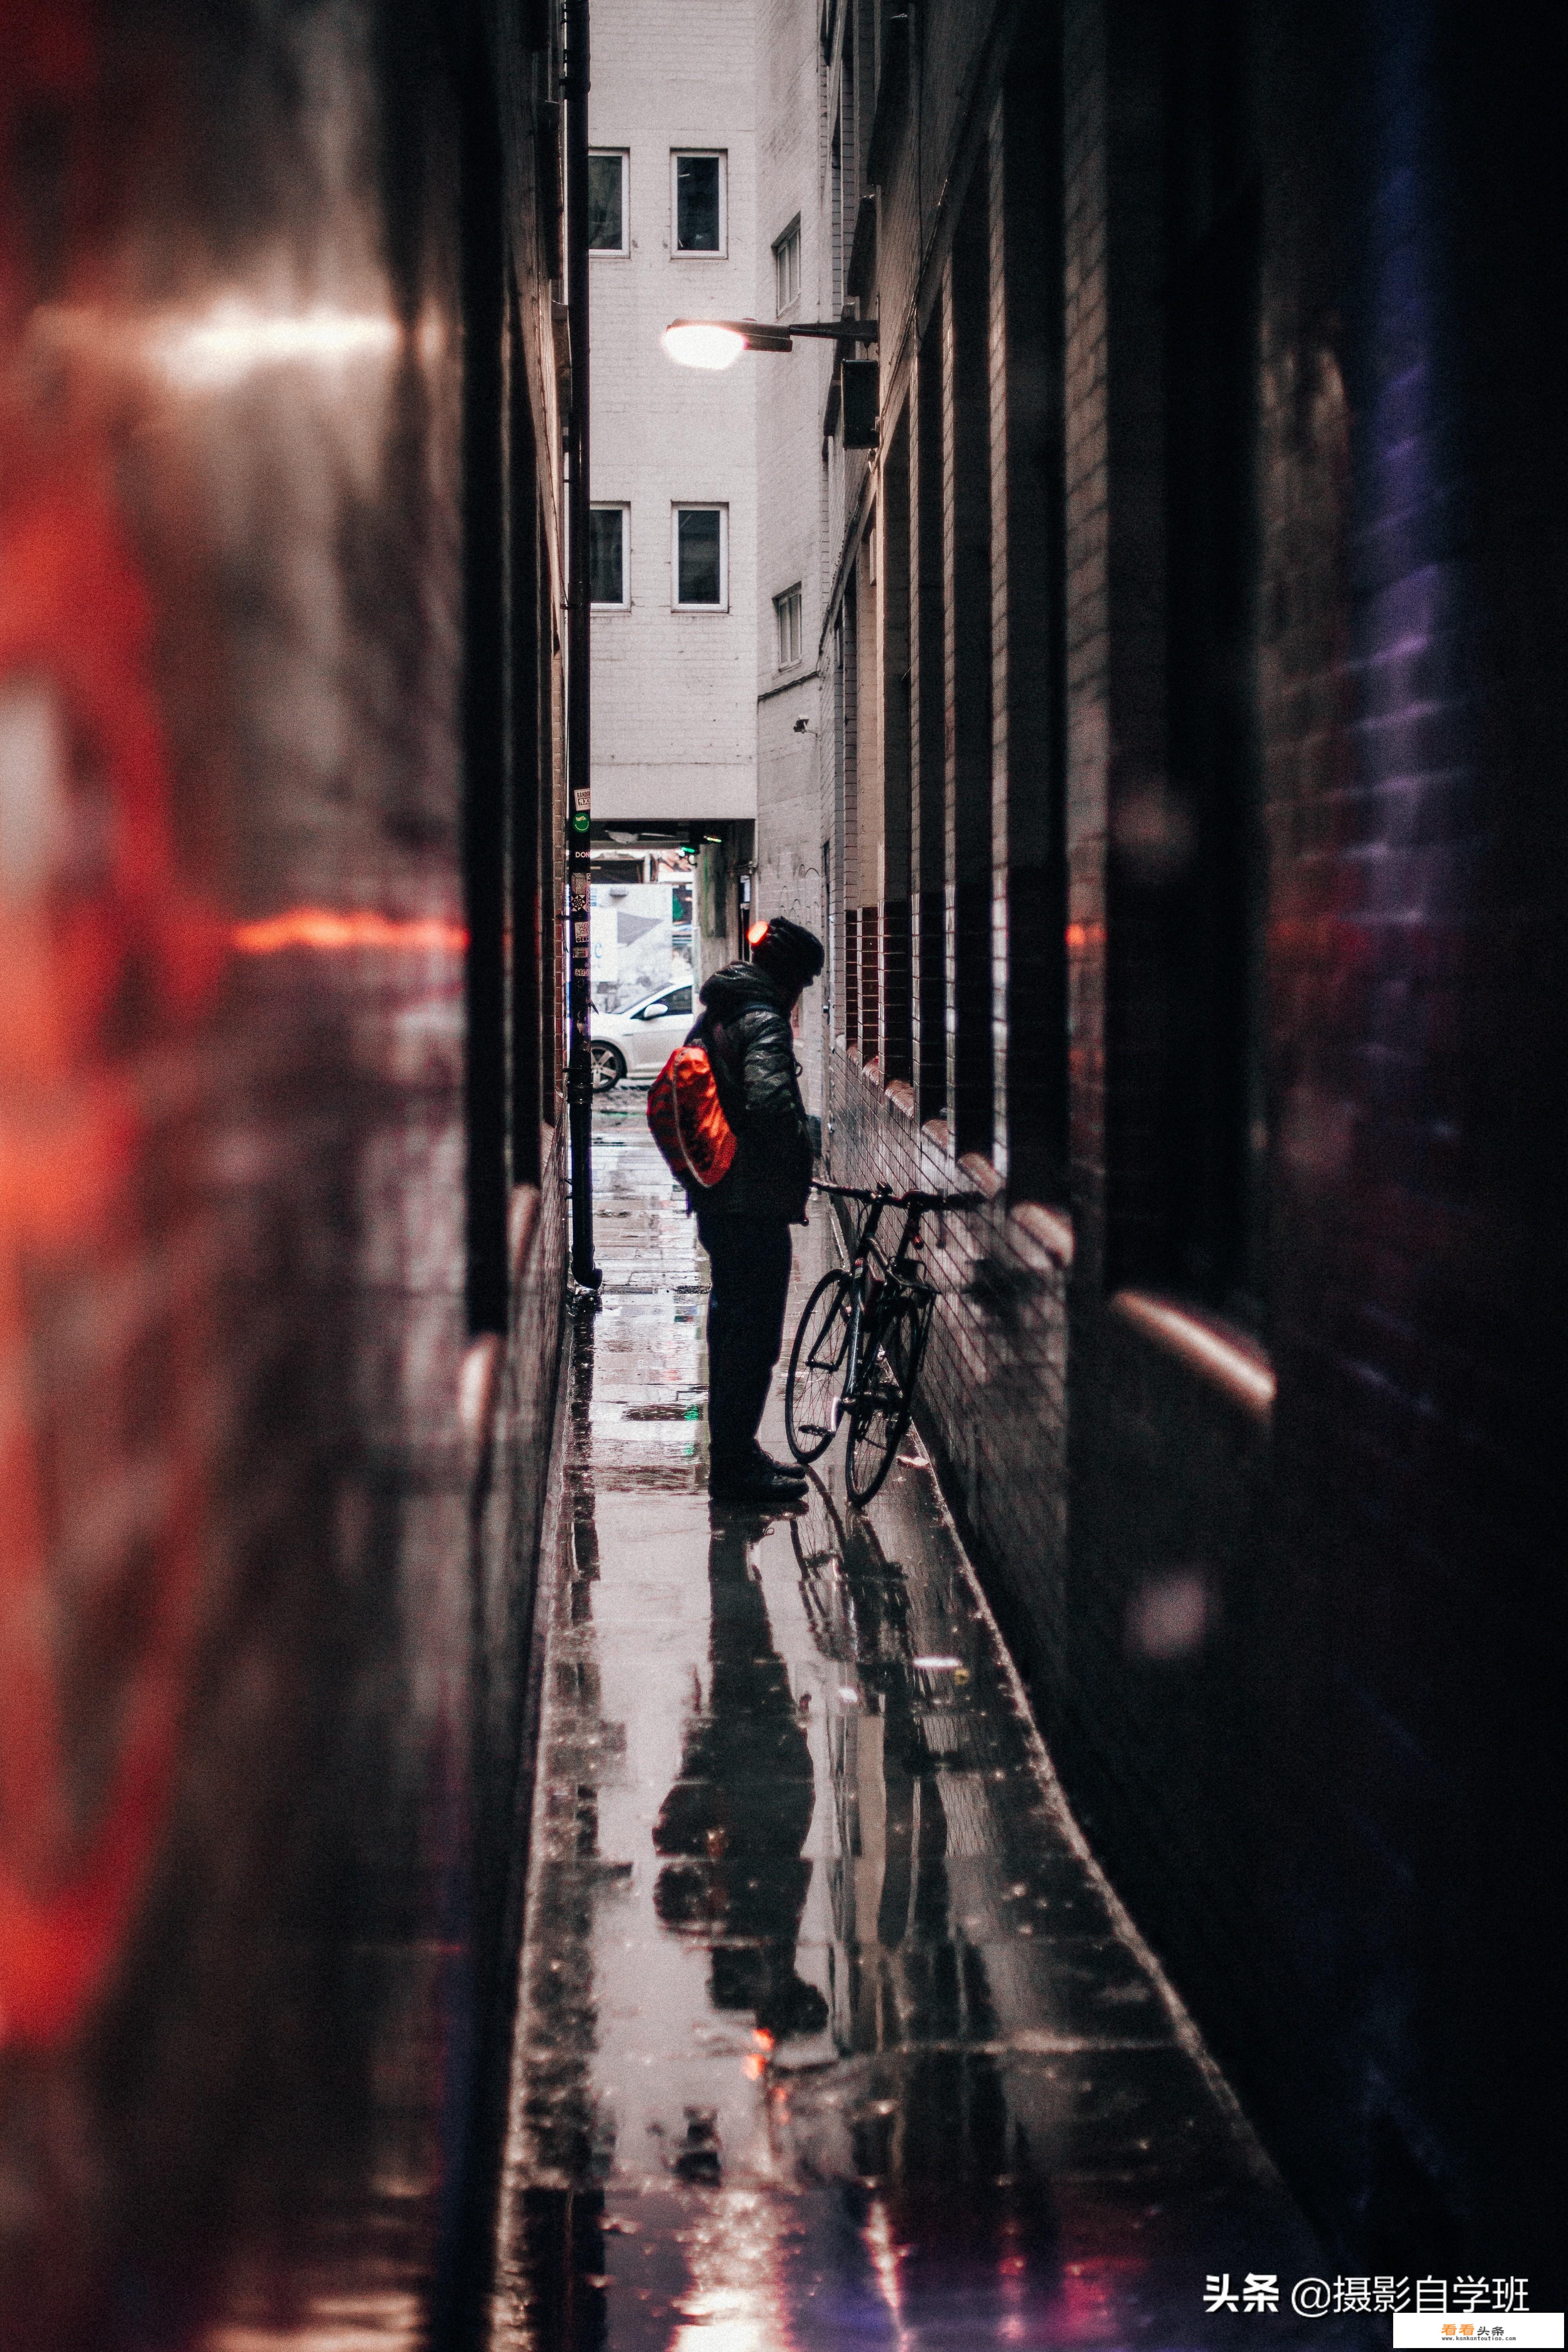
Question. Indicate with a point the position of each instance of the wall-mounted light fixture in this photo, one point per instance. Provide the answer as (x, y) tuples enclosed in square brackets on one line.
[(719, 342)]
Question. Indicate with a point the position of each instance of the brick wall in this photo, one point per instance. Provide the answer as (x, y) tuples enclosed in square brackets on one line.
[(791, 512), (1287, 1808), (1293, 1491), (994, 1402), (674, 723), (1029, 698)]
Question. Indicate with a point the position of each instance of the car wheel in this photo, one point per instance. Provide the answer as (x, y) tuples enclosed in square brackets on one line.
[(607, 1067)]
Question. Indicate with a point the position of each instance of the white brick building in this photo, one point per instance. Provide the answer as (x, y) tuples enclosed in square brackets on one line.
[(672, 116)]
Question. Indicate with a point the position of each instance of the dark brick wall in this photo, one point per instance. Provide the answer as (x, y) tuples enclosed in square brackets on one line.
[(272, 1505), (1307, 1812), (1417, 1063), (967, 679), (1291, 1620), (994, 1400)]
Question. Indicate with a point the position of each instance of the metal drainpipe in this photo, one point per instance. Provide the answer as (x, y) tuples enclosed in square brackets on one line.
[(585, 1274)]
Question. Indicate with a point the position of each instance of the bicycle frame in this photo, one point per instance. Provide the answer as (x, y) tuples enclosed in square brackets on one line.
[(873, 1290), (862, 1339)]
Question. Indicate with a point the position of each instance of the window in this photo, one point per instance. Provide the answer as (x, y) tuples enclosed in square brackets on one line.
[(699, 199), (700, 557), (608, 202), (786, 612), (607, 566), (666, 1008), (787, 266)]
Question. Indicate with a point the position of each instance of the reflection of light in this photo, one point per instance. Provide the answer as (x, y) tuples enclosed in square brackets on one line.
[(1153, 830), (318, 927), (33, 815), (431, 337), (884, 2253), (234, 339), (372, 2319), (735, 2302), (692, 344), (1168, 1616), (1013, 2273), (1093, 2294)]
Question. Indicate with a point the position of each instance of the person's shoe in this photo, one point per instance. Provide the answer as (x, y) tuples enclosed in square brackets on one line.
[(790, 1470), (757, 1482)]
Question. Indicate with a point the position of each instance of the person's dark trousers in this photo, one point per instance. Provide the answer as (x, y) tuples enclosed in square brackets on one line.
[(749, 1258)]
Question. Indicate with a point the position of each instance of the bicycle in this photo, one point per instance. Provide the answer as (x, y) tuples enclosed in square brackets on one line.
[(861, 1340)]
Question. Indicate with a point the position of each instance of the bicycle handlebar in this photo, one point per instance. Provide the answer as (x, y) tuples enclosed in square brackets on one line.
[(932, 1201)]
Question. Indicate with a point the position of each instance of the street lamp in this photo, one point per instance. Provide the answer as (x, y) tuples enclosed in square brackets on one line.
[(719, 342)]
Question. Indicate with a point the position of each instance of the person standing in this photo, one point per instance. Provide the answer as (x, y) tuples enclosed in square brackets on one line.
[(743, 1222)]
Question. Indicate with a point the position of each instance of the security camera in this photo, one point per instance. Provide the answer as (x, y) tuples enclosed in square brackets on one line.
[(801, 726)]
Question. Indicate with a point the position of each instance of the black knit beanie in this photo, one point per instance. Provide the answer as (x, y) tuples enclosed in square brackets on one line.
[(788, 954)]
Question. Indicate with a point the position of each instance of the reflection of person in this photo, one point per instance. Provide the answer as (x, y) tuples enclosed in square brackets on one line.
[(858, 1608), (736, 1819), (743, 1222)]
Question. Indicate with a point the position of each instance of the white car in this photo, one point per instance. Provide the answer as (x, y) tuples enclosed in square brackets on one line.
[(638, 1041)]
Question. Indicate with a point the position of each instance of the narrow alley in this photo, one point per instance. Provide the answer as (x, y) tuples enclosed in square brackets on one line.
[(831, 2030), (1009, 554)]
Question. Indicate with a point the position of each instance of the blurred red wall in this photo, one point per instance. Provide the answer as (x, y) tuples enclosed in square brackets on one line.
[(250, 1889)]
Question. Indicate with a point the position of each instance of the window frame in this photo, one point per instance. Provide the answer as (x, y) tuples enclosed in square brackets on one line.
[(622, 603), (662, 1007), (794, 595), (679, 252), (622, 251), (789, 237), (699, 506)]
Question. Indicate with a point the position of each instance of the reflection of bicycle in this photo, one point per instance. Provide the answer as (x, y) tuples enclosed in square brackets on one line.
[(862, 1340)]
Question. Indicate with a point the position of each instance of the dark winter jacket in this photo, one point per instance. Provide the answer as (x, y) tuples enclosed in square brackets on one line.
[(745, 1027)]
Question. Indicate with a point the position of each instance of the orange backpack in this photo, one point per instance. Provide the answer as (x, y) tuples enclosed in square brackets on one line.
[(688, 1119)]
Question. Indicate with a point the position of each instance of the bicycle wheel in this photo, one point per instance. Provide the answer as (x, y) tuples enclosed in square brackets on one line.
[(816, 1367), (879, 1412)]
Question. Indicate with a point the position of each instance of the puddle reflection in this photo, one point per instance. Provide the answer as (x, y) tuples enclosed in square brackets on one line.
[(831, 2036), (735, 1824)]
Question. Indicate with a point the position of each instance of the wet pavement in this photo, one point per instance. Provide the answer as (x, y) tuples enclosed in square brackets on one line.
[(832, 2034)]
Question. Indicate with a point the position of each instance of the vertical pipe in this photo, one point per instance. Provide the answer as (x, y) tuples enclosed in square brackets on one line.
[(579, 1075)]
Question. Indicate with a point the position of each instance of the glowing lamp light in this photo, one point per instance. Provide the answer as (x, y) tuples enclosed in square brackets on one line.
[(324, 928), (233, 340), (701, 344), (756, 935)]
